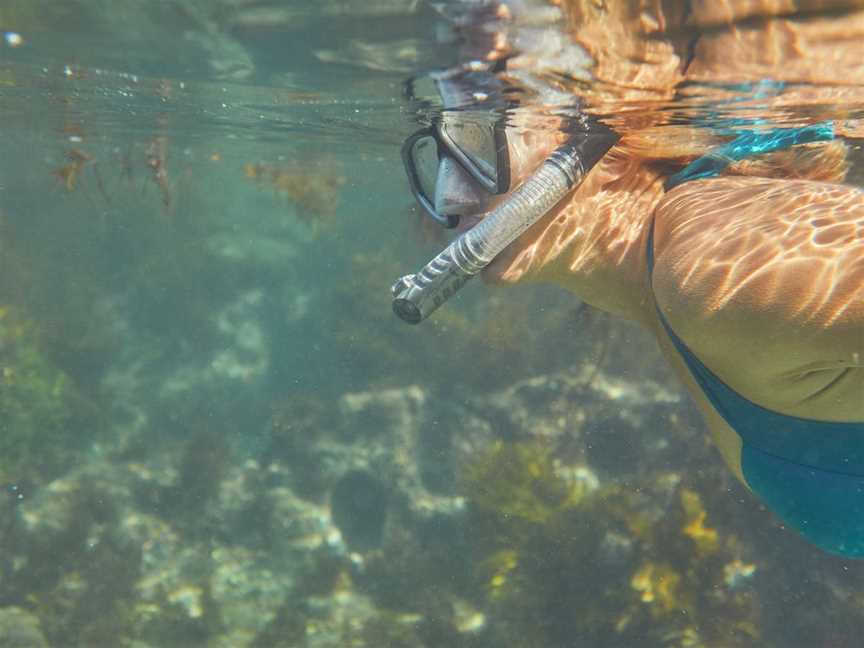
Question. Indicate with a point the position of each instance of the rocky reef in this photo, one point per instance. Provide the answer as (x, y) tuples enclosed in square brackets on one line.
[(579, 508)]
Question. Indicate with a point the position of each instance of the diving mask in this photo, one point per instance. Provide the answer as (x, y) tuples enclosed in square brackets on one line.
[(458, 163), (416, 296)]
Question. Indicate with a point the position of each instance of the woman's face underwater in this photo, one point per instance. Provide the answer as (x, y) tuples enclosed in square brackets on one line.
[(529, 143)]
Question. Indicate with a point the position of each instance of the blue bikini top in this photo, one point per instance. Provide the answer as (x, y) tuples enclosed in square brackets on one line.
[(748, 144)]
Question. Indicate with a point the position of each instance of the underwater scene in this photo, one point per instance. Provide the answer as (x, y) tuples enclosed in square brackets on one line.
[(642, 425)]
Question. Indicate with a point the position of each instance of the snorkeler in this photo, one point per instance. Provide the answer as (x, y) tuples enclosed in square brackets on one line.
[(744, 257)]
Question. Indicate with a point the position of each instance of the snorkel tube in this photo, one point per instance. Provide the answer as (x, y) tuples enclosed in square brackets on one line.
[(416, 296)]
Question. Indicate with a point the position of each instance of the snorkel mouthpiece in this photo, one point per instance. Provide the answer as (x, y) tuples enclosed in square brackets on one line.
[(418, 295)]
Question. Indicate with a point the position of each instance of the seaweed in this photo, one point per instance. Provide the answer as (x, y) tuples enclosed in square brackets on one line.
[(566, 562), (45, 422), (313, 188)]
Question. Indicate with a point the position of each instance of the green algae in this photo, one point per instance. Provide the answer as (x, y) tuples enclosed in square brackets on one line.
[(518, 482), (41, 411)]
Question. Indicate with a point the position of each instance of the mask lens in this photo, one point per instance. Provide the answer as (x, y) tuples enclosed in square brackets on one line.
[(476, 140), (424, 156)]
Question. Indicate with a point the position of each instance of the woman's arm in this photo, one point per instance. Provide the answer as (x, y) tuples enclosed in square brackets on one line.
[(763, 280)]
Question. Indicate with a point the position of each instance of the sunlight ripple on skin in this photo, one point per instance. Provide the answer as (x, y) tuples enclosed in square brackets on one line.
[(812, 245)]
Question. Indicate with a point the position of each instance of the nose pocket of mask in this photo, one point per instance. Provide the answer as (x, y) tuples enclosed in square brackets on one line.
[(456, 193)]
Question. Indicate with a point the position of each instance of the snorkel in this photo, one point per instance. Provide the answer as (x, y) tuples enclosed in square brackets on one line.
[(416, 296)]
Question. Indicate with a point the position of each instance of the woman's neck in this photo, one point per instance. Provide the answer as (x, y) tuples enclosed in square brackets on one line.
[(594, 242)]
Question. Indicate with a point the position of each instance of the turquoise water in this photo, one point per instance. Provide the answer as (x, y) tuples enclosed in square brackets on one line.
[(213, 430)]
